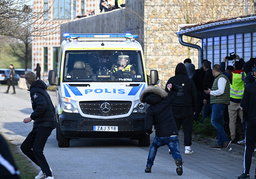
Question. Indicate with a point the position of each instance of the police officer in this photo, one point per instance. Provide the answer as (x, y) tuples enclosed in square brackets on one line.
[(124, 69)]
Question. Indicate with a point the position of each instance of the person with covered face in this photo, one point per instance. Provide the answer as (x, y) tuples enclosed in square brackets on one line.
[(160, 115), (183, 102)]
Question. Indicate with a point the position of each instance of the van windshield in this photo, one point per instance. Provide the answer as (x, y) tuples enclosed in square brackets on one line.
[(103, 65)]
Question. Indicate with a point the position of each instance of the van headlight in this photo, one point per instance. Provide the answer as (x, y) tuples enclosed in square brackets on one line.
[(139, 107), (69, 105)]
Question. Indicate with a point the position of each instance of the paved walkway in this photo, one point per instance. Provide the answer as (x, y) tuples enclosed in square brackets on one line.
[(204, 163)]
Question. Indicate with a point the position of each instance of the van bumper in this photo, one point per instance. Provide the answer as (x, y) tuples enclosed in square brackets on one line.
[(76, 126)]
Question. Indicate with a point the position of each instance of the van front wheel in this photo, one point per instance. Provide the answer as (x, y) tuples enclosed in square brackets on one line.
[(62, 141), (144, 141)]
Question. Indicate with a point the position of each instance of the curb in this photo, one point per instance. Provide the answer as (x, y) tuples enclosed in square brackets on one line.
[(211, 142)]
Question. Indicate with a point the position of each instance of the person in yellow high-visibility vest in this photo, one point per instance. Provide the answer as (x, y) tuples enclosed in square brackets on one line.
[(236, 78), (124, 70)]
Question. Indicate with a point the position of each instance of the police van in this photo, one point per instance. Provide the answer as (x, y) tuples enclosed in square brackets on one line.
[(99, 82)]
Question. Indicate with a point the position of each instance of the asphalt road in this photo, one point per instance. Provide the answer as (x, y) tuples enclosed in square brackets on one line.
[(113, 158)]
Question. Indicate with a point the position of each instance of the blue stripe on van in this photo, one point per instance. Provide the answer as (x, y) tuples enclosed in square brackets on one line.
[(142, 88), (66, 91), (75, 90), (135, 90)]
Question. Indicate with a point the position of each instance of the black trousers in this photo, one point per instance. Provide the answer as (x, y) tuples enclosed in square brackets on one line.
[(199, 106), (10, 83), (249, 146), (33, 147), (184, 117)]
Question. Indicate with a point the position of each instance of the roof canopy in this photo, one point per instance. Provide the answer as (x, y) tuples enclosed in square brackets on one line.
[(238, 25)]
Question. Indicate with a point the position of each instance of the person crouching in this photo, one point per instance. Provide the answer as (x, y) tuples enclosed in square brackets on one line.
[(159, 114)]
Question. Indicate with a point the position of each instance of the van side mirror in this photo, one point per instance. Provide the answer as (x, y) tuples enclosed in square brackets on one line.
[(52, 77), (153, 80)]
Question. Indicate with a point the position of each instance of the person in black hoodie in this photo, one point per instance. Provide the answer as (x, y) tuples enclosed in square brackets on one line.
[(43, 117), (207, 84), (249, 113), (183, 102), (198, 80), (160, 115)]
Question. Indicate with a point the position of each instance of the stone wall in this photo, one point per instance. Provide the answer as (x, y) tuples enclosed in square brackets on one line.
[(156, 21)]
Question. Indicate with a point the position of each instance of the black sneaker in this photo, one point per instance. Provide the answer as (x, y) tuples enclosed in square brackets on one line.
[(148, 169), (179, 169), (244, 176)]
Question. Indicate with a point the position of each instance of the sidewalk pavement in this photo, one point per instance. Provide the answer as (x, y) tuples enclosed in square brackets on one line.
[(204, 163)]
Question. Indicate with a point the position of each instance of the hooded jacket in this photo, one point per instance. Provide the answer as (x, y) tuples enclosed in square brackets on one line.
[(186, 95), (43, 109), (159, 113)]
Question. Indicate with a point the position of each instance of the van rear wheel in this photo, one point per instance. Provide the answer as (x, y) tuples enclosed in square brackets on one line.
[(62, 141), (144, 141)]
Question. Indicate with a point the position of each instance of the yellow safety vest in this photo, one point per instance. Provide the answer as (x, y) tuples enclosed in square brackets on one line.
[(127, 68), (237, 86)]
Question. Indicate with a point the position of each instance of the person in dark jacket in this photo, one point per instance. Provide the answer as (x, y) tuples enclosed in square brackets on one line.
[(249, 114), (8, 168), (160, 115), (183, 102), (43, 117), (207, 83), (10, 80), (198, 80), (38, 71)]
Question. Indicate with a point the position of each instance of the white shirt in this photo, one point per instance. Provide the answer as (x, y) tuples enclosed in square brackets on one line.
[(221, 87)]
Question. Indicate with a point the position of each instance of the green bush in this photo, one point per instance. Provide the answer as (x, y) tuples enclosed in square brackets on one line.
[(204, 130)]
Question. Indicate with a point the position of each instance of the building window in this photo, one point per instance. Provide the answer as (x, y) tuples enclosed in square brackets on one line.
[(55, 57), (74, 9), (82, 7), (46, 8), (254, 44), (210, 49), (62, 9), (216, 52), (224, 48), (247, 46), (45, 59)]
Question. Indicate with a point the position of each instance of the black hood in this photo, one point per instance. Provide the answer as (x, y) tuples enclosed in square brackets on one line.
[(181, 69), (38, 84)]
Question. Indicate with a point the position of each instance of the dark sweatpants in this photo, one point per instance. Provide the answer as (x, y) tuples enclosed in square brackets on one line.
[(184, 117), (33, 147), (249, 146), (10, 83)]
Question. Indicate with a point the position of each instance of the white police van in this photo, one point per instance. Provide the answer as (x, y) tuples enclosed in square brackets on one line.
[(99, 82)]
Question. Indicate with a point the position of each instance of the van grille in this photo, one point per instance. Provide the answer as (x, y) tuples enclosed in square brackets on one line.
[(105, 108)]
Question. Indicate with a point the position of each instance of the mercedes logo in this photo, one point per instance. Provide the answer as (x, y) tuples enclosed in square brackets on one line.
[(105, 107)]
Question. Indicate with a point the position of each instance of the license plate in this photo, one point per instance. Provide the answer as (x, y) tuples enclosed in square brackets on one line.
[(106, 128)]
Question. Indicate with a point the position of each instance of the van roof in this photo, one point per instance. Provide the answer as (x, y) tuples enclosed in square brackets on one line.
[(101, 45)]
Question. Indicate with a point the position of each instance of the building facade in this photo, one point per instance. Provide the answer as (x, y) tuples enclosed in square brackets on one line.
[(48, 15), (154, 21)]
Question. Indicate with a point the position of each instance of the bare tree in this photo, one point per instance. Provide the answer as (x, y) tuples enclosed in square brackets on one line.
[(17, 21)]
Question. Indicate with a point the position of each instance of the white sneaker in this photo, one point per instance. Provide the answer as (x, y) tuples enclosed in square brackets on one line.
[(41, 174), (49, 177), (241, 142), (188, 150)]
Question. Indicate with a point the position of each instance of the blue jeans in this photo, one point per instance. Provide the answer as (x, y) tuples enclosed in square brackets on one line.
[(173, 144), (217, 122), (207, 111)]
